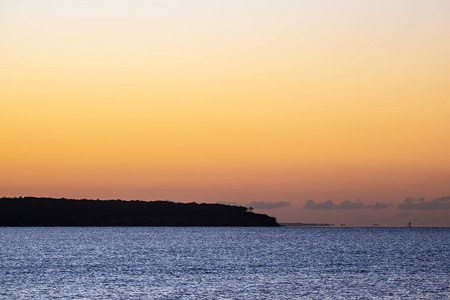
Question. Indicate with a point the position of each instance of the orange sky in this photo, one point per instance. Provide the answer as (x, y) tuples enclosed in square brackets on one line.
[(232, 101)]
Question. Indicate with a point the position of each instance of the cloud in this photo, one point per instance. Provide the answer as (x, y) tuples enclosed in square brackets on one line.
[(268, 205), (422, 204), (344, 205), (329, 205), (379, 205)]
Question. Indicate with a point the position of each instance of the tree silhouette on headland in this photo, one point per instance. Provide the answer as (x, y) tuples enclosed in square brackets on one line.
[(32, 211)]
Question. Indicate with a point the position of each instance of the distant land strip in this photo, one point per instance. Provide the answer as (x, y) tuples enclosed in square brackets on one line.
[(33, 211), (306, 224)]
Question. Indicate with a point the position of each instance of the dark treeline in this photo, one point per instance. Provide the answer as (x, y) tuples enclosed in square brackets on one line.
[(32, 211)]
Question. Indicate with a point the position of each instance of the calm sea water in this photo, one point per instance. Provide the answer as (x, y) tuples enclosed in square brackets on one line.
[(224, 263)]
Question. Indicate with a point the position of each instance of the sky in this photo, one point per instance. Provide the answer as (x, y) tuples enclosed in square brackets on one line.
[(309, 111)]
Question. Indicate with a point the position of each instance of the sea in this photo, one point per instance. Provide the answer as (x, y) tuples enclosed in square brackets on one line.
[(224, 263)]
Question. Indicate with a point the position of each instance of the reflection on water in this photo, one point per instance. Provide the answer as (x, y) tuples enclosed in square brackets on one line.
[(189, 262)]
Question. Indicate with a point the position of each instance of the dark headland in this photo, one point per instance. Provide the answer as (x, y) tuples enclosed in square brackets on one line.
[(32, 211)]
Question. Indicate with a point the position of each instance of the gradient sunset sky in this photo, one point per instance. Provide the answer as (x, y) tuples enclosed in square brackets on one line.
[(310, 111)]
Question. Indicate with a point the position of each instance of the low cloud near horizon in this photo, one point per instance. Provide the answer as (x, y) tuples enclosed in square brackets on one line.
[(379, 205), (344, 205), (422, 204)]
